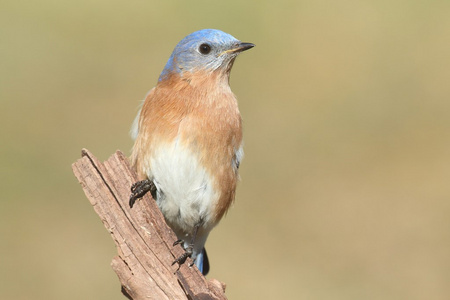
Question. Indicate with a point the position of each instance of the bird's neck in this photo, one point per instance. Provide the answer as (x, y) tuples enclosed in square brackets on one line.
[(202, 81), (199, 91)]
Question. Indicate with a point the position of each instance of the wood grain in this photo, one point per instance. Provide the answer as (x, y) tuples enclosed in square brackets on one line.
[(143, 239)]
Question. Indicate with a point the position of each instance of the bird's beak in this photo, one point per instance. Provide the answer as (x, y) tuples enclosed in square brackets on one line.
[(239, 48), (243, 46)]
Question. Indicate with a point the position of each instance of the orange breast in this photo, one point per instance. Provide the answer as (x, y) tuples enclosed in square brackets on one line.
[(202, 112)]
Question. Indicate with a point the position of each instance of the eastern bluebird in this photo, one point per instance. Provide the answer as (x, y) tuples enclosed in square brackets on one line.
[(188, 139)]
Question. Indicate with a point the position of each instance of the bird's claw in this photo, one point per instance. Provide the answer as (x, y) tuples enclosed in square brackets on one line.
[(139, 189), (177, 242), (187, 253)]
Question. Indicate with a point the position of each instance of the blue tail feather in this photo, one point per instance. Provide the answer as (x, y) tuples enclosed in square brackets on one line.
[(202, 262)]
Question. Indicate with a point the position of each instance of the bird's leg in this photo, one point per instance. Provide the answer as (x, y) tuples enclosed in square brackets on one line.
[(140, 188), (188, 250)]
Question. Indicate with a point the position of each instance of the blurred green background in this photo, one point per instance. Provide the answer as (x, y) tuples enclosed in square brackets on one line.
[(345, 184)]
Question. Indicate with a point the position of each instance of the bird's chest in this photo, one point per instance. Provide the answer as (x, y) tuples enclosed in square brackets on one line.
[(191, 137), (194, 171)]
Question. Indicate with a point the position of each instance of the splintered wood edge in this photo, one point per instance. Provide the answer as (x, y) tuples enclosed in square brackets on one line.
[(149, 277), (192, 282)]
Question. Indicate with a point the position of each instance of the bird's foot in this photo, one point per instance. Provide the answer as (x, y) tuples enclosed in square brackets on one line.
[(139, 189), (187, 253)]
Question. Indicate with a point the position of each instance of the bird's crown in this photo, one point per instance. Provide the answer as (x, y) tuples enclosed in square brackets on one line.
[(207, 49)]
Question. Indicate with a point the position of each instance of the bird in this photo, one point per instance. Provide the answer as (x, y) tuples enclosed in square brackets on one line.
[(188, 140)]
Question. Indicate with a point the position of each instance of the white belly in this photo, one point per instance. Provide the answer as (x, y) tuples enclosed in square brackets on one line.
[(185, 190)]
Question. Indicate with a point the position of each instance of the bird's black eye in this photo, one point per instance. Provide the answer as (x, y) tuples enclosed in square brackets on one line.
[(204, 49)]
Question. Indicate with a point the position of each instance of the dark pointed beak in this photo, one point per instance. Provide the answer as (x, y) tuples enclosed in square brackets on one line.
[(238, 49), (243, 46)]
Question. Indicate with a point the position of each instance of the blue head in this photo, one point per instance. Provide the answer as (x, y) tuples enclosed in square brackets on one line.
[(204, 50)]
